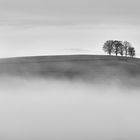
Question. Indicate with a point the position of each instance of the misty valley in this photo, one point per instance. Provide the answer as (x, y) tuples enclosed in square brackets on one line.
[(54, 109), (69, 69), (75, 98)]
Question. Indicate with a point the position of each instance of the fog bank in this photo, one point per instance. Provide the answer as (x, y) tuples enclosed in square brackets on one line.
[(52, 109)]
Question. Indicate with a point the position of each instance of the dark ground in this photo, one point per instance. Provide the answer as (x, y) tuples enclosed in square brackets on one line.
[(81, 67)]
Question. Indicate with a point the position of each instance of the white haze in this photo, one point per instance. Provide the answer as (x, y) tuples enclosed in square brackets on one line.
[(67, 110)]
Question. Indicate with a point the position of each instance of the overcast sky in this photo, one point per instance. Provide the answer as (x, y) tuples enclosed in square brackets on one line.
[(40, 27)]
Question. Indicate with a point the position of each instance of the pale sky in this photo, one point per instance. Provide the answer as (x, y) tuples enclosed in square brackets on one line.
[(42, 27)]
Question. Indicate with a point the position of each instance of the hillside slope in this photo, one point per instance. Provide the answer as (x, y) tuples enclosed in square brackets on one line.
[(85, 67)]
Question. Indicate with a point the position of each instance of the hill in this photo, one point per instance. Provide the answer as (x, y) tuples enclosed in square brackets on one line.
[(84, 67)]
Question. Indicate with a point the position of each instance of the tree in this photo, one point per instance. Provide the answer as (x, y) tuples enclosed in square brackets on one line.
[(121, 49), (117, 47), (126, 45), (131, 51), (108, 46)]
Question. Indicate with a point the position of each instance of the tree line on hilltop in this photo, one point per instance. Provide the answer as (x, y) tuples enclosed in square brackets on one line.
[(123, 48)]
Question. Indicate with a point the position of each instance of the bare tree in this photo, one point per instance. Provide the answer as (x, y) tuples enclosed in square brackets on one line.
[(131, 51), (108, 47), (117, 47), (126, 45), (121, 49)]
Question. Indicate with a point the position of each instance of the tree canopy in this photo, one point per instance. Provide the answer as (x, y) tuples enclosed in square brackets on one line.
[(119, 48)]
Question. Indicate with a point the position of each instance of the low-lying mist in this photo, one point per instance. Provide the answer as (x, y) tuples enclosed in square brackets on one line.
[(50, 109)]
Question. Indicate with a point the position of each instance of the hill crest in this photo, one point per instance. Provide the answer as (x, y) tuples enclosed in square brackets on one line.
[(80, 67)]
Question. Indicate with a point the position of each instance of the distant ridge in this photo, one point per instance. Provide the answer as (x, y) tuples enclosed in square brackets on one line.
[(66, 58), (84, 67)]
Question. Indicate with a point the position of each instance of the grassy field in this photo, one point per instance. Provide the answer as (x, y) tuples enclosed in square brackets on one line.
[(84, 67)]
